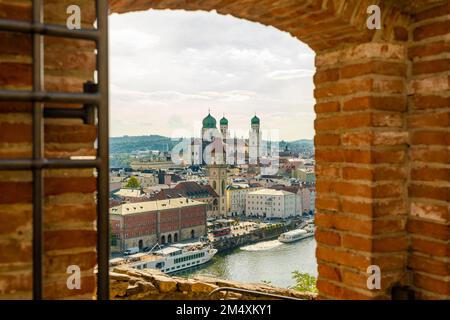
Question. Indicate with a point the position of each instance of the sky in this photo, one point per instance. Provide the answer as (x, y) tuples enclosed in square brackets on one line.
[(169, 67)]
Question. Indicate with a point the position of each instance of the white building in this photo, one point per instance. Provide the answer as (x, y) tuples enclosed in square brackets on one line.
[(236, 198), (271, 203)]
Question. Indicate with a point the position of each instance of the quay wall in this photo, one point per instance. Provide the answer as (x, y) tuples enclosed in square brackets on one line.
[(149, 284), (251, 237)]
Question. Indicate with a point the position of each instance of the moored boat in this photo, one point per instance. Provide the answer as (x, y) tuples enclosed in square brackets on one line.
[(295, 235), (170, 259)]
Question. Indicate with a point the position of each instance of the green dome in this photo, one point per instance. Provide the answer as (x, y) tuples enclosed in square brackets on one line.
[(255, 120), (223, 121), (209, 122)]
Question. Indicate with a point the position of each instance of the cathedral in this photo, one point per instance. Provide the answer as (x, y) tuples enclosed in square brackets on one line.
[(224, 150), (218, 147)]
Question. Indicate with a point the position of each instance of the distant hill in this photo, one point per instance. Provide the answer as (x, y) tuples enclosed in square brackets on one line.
[(129, 144)]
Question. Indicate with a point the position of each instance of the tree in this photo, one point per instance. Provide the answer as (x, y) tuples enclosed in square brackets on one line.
[(304, 282), (133, 183)]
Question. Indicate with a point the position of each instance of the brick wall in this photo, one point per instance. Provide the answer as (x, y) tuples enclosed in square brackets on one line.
[(382, 144), (428, 122)]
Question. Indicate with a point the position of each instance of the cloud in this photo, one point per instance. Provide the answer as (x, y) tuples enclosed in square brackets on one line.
[(290, 74), (168, 67)]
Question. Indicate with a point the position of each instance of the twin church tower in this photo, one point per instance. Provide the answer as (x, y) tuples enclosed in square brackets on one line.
[(217, 170)]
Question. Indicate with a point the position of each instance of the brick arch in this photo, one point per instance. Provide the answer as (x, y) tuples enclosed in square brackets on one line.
[(353, 144), (381, 142), (320, 24)]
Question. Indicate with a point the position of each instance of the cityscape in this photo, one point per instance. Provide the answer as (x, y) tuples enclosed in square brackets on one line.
[(214, 192)]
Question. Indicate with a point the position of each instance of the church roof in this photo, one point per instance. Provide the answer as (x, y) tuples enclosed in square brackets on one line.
[(224, 121), (255, 120), (209, 122)]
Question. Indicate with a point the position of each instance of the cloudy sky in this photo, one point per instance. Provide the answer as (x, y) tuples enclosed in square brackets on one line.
[(169, 67)]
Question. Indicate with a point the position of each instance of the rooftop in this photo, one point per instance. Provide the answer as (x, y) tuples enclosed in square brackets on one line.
[(271, 192), (157, 205)]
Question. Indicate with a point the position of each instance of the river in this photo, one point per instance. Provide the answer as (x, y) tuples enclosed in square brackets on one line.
[(264, 261)]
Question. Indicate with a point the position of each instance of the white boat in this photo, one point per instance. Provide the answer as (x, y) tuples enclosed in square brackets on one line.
[(173, 258), (295, 235)]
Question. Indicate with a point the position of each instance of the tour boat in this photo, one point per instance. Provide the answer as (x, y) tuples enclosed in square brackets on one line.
[(170, 259), (295, 235)]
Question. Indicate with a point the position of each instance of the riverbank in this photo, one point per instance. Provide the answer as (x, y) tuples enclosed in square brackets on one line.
[(270, 261), (265, 233)]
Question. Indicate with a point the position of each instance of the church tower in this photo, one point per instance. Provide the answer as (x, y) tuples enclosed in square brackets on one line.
[(217, 179), (224, 128), (254, 140)]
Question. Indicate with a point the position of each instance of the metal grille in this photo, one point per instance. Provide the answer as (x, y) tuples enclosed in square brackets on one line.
[(97, 100)]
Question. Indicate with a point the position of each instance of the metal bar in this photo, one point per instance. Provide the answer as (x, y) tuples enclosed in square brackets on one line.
[(48, 29), (103, 153), (67, 113), (252, 292), (38, 125), (40, 96), (31, 164)]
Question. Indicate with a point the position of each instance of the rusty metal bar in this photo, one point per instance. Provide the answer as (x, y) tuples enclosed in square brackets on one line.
[(31, 164), (252, 292), (38, 144), (103, 153), (48, 29), (40, 96)]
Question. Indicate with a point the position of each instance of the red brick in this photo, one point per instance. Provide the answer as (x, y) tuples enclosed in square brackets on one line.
[(327, 140), (432, 30), (338, 292), (429, 247), (428, 265), (429, 49), (55, 186), (15, 74), (430, 102), (67, 239), (375, 103), (373, 67), (327, 203), (15, 192), (15, 132), (329, 75), (429, 192), (59, 263), (429, 119), (429, 155), (429, 229), (326, 107), (433, 66), (329, 272), (431, 284), (430, 174), (328, 237), (430, 137), (70, 134)]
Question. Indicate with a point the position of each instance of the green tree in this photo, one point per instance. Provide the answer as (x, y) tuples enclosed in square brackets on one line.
[(304, 282), (133, 183)]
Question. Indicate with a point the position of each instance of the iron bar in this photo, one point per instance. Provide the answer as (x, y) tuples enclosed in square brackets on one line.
[(40, 96), (253, 292), (38, 129), (95, 100), (103, 153), (48, 29), (31, 164)]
